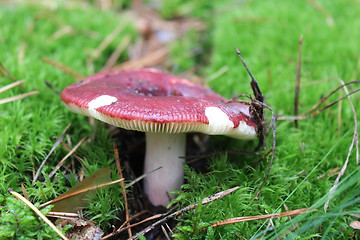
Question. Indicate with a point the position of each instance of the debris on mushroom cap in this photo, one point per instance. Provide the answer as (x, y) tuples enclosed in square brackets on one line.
[(150, 100)]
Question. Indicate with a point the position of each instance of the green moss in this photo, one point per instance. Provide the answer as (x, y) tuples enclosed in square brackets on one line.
[(18, 221), (267, 34)]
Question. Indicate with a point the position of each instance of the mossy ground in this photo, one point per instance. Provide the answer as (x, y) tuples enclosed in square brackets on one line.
[(267, 34)]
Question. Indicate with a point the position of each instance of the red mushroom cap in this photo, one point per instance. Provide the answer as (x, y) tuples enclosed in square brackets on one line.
[(153, 101)]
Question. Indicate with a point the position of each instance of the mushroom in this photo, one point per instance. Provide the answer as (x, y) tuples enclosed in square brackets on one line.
[(165, 107)]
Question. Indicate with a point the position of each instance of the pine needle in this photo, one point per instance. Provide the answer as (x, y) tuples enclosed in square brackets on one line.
[(37, 211), (18, 97)]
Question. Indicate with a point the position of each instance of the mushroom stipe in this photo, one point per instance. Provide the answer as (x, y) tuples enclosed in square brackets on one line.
[(165, 107)]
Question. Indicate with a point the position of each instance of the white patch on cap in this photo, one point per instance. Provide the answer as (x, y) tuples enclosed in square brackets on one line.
[(100, 101), (219, 122)]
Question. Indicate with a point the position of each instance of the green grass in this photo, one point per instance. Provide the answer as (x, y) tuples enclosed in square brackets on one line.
[(267, 33)]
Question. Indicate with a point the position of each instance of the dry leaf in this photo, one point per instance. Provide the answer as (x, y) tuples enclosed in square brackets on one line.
[(74, 203)]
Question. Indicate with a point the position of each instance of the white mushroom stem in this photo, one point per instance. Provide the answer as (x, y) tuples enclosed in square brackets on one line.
[(166, 151)]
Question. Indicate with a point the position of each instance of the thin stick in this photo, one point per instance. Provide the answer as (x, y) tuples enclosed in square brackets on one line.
[(67, 156), (118, 166), (18, 97), (67, 147), (297, 82), (108, 39), (259, 217), (57, 143), (355, 141), (4, 72), (11, 85), (192, 206), (132, 225), (141, 177), (323, 99), (301, 117), (63, 67), (116, 54), (261, 158), (23, 189), (121, 228), (80, 192), (62, 214), (30, 205), (313, 111), (149, 59)]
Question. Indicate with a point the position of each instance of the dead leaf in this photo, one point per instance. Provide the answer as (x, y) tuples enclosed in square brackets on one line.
[(74, 203)]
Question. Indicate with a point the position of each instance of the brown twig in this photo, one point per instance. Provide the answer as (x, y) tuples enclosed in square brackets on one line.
[(297, 82), (121, 228), (261, 158), (116, 54), (149, 59), (63, 67), (108, 39), (4, 72), (132, 225), (67, 156), (141, 177), (256, 110), (323, 99), (118, 166), (315, 110), (23, 189)]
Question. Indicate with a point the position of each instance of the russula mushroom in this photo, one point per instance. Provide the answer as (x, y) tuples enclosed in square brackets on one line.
[(165, 107)]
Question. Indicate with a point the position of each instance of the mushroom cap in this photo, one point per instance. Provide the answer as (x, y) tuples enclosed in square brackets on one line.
[(150, 100)]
